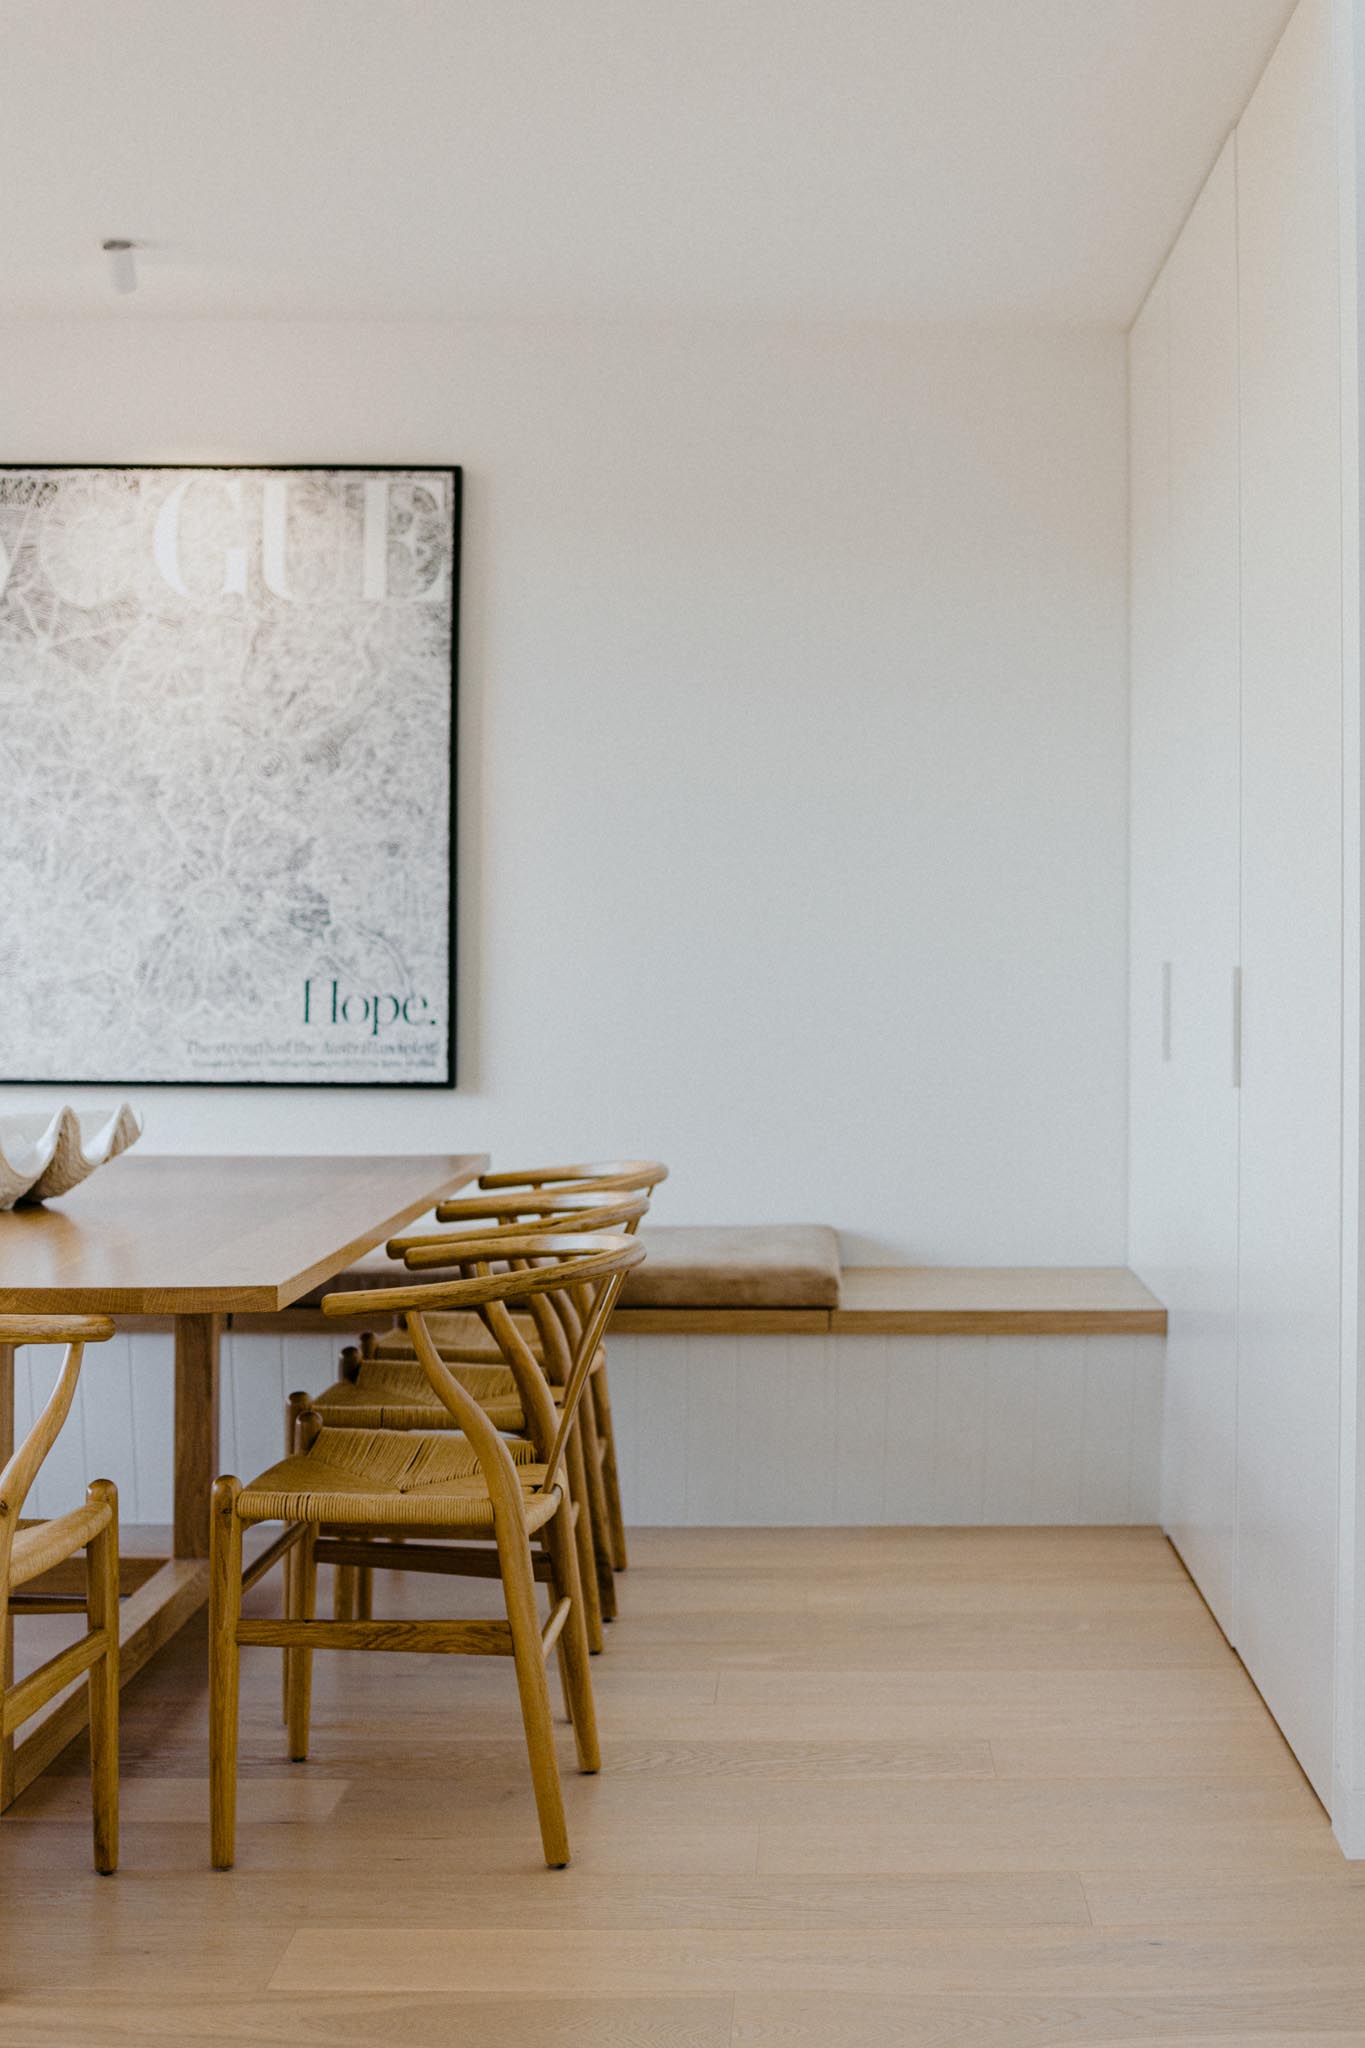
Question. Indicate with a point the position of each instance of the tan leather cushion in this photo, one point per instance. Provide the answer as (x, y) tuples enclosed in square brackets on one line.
[(741, 1265)]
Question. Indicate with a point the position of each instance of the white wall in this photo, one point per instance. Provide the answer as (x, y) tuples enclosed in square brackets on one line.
[(793, 749)]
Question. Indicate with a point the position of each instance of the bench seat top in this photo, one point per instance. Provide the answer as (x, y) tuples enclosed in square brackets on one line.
[(997, 1300), (774, 1278)]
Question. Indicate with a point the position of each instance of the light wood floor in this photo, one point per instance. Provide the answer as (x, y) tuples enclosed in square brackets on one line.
[(863, 1789)]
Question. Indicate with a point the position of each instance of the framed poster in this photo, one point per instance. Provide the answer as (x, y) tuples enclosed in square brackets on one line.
[(227, 736)]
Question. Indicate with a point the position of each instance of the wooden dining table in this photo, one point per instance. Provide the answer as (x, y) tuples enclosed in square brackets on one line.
[(193, 1239)]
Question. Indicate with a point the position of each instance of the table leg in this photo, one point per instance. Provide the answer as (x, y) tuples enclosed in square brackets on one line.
[(7, 1632), (197, 1344)]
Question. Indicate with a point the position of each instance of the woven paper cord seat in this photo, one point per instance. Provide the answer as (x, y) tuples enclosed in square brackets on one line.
[(396, 1394), (376, 1478)]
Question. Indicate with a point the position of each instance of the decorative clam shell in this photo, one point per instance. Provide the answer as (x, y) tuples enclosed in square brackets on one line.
[(43, 1156)]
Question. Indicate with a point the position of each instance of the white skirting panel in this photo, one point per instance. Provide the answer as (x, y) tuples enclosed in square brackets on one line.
[(853, 1429), (720, 1430)]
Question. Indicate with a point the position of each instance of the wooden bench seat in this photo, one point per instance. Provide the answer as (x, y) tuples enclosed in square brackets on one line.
[(769, 1280), (755, 1277), (939, 1301)]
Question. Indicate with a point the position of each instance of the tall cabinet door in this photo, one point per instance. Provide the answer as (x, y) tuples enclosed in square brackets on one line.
[(1291, 888), (1201, 1199), (1154, 884), (1185, 810)]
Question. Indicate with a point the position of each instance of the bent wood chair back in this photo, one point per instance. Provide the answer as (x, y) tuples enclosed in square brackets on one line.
[(18, 1476), (554, 1323), (558, 1316), (511, 1215), (27, 1551), (613, 1176), (499, 1270), (622, 1175)]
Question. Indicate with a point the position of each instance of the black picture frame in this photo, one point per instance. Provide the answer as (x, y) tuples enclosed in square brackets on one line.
[(455, 473)]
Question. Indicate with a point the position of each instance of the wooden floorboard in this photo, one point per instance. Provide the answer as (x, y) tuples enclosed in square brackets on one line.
[(863, 1789)]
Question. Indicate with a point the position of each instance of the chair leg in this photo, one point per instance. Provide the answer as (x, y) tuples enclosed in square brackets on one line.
[(294, 1409), (344, 1592), (288, 1569), (225, 1607), (600, 1395), (300, 1662), (561, 1658), (573, 1640), (101, 1568), (587, 1554), (364, 1593), (601, 1522), (519, 1592)]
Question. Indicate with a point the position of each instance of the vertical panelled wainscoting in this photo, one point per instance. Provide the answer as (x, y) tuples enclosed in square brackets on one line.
[(120, 1423), (720, 1430), (853, 1429)]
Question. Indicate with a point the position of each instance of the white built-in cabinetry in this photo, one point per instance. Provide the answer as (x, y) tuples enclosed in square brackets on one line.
[(1237, 934), (1186, 825)]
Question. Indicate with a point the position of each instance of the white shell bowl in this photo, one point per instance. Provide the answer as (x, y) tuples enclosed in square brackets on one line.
[(41, 1156)]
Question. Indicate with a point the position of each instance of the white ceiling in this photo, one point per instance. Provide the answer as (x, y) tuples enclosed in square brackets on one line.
[(943, 160)]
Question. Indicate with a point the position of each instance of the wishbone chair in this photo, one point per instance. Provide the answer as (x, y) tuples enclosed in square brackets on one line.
[(383, 1385), (28, 1549), (623, 1176), (446, 1494)]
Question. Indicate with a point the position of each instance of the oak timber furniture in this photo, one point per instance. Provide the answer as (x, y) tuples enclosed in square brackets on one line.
[(375, 1485), (383, 1385), (619, 1176), (195, 1239), (934, 1301), (980, 1301), (743, 1297), (28, 1550), (616, 1176)]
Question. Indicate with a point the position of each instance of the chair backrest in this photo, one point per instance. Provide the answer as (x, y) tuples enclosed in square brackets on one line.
[(493, 1216), (619, 1175), (559, 1316), (499, 1269), (18, 1476)]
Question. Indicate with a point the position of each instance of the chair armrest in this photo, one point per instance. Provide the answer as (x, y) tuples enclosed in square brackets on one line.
[(43, 1544)]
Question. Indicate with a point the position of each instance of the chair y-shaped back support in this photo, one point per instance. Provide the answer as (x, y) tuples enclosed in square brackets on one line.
[(28, 1551)]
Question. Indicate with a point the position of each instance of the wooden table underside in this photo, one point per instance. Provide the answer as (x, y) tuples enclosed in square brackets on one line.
[(196, 1239)]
